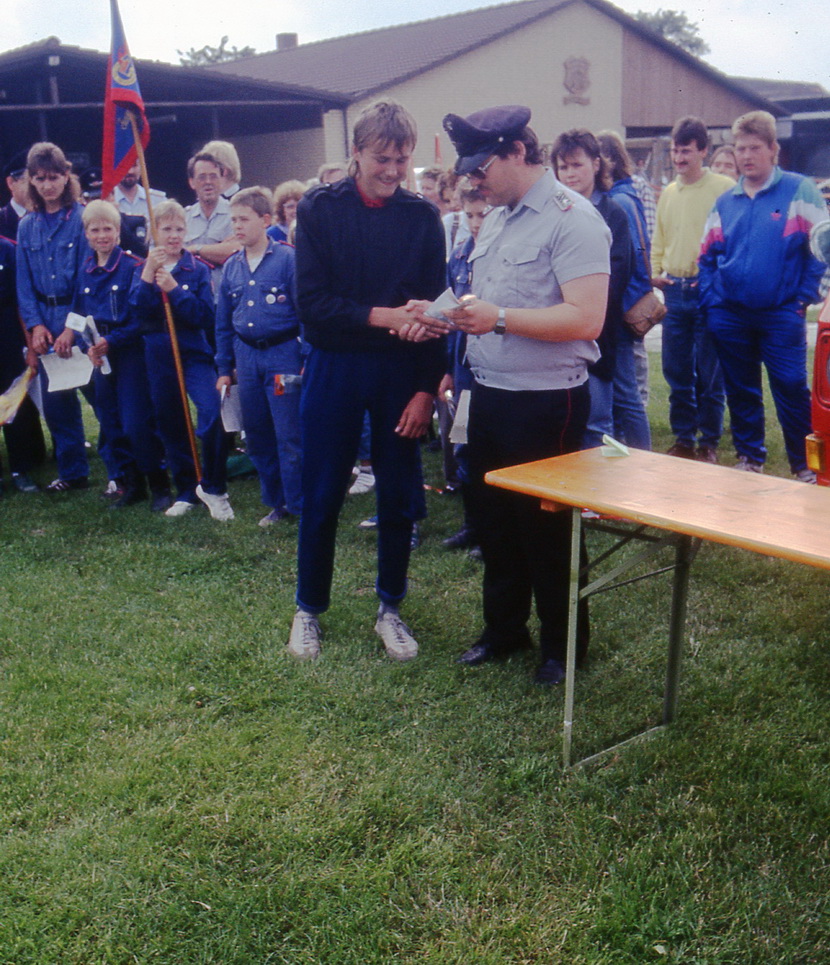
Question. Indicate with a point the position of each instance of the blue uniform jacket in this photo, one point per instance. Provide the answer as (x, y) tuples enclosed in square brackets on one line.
[(756, 251), (256, 306), (191, 300), (104, 293), (49, 257)]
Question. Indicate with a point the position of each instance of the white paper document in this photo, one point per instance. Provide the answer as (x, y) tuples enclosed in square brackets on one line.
[(458, 433), (231, 409), (67, 373)]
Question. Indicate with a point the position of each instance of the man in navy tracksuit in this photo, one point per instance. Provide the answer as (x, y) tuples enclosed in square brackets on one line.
[(365, 247), (257, 333), (757, 276)]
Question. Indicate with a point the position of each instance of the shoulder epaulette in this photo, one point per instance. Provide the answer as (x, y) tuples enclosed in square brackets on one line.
[(286, 244), (562, 201)]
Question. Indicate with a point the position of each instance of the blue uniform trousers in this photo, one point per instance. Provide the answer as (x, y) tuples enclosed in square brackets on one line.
[(690, 367), (62, 411), (271, 420), (200, 382), (776, 337), (125, 410), (338, 388)]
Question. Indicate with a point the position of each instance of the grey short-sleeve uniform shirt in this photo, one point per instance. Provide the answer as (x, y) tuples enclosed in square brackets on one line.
[(521, 259)]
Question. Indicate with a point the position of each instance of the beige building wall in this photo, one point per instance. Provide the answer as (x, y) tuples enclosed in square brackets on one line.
[(268, 159), (660, 88), (524, 67)]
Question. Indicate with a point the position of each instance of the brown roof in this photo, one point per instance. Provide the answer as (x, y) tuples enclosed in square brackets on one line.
[(358, 64), (363, 63)]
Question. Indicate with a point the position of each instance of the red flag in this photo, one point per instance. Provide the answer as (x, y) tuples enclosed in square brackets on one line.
[(122, 95)]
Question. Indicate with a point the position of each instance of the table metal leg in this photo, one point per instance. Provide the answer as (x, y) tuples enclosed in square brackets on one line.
[(684, 554), (570, 660)]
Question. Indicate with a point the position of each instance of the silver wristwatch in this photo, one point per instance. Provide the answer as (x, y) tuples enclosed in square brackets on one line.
[(501, 324)]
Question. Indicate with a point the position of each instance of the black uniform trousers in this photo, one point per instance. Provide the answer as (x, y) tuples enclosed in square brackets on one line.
[(526, 549)]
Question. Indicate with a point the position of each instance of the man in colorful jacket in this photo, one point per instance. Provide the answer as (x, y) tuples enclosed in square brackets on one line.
[(757, 277)]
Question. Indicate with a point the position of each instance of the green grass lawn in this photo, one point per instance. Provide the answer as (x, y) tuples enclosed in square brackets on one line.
[(174, 789)]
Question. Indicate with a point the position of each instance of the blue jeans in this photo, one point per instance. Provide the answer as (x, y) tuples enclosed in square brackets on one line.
[(272, 421), (630, 419), (776, 337), (339, 387), (691, 369), (601, 416)]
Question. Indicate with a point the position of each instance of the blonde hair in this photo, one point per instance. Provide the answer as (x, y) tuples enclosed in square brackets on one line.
[(225, 154), (99, 210), (286, 191), (168, 210), (756, 124)]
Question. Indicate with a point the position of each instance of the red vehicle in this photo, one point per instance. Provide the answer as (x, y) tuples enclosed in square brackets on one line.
[(818, 442)]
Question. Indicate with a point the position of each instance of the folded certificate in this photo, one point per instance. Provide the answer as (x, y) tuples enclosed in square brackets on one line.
[(67, 373)]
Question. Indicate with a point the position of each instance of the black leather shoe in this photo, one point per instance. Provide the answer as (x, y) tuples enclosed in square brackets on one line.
[(550, 673), (458, 541), (477, 654), (486, 649)]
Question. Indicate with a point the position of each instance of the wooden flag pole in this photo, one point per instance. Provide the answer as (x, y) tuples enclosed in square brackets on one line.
[(168, 312)]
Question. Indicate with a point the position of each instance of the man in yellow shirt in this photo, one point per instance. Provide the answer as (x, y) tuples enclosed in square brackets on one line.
[(690, 364)]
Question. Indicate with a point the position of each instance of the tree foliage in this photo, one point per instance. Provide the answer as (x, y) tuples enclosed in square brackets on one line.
[(213, 55), (675, 26)]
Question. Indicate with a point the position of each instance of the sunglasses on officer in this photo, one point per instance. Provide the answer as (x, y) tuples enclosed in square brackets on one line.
[(480, 173)]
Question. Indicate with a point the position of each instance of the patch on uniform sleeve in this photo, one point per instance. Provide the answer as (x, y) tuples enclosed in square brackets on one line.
[(563, 201)]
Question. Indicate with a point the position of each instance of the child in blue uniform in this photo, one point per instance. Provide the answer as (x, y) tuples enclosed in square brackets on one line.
[(186, 282), (257, 333), (121, 398), (50, 250)]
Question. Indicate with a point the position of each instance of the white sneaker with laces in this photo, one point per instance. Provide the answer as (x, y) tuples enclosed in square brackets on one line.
[(364, 483), (219, 506), (304, 642), (179, 508), (396, 635)]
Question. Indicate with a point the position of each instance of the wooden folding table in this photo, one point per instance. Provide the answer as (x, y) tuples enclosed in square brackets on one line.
[(690, 501)]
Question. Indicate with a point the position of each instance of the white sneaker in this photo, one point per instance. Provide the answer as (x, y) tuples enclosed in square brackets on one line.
[(179, 508), (364, 483), (219, 506), (805, 476), (396, 635), (304, 642), (746, 464)]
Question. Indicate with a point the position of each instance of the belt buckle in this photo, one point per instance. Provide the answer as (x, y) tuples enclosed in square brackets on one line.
[(52, 301)]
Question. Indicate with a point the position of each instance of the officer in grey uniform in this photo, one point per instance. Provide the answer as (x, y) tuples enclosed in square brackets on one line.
[(540, 272)]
